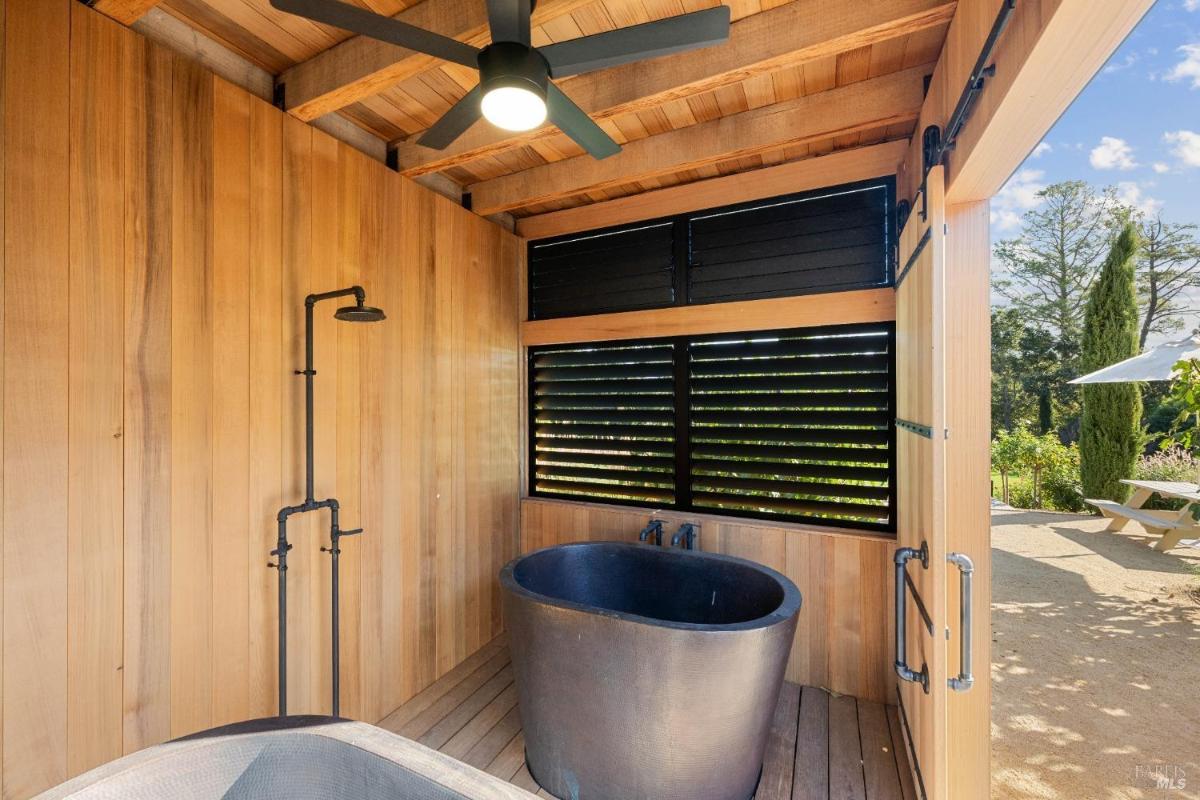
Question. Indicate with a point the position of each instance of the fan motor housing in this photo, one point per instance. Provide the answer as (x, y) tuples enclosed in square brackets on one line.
[(503, 64)]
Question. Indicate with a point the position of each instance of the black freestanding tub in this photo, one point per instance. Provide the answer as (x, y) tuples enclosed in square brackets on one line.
[(644, 672)]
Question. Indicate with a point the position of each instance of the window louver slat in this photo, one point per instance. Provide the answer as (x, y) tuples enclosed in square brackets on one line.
[(762, 443), (603, 424)]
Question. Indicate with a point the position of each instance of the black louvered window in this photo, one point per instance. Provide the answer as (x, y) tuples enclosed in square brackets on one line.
[(829, 240), (603, 422), (622, 270), (794, 424), (791, 425)]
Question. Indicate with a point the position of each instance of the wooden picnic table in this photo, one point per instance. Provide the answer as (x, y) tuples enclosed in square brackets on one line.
[(1170, 526)]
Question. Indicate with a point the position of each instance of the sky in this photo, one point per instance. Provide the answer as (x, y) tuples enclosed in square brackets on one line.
[(1136, 127)]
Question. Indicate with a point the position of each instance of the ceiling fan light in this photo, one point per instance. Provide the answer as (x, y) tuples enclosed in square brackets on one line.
[(513, 108)]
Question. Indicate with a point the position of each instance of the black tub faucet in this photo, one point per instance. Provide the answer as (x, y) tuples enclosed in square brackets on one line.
[(687, 534), (655, 527)]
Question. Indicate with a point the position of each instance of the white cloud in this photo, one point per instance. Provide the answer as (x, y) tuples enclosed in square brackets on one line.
[(1187, 146), (1160, 167), (1018, 196), (1046, 147), (1124, 64), (1189, 68), (1113, 153), (1130, 194), (1191, 5)]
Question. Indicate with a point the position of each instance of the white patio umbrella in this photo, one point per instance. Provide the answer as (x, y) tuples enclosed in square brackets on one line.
[(1155, 364)]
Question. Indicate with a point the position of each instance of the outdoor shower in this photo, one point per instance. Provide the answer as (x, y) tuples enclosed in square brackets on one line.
[(359, 312)]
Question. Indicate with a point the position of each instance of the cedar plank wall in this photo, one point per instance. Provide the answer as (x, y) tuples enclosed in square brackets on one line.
[(160, 230)]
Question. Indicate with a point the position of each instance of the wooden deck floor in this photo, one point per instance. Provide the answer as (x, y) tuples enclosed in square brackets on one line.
[(822, 747)]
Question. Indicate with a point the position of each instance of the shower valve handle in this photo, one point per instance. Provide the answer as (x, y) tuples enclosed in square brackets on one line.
[(350, 532)]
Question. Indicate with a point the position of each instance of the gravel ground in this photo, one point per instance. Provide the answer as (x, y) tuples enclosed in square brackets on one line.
[(1095, 662)]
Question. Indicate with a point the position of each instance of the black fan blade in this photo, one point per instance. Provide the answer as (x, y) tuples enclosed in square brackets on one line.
[(649, 40), (574, 122), (509, 20), (454, 122), (385, 29)]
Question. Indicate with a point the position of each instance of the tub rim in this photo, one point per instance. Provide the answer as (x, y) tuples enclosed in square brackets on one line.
[(787, 609)]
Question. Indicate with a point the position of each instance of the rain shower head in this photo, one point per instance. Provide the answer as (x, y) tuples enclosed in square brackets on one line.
[(359, 313)]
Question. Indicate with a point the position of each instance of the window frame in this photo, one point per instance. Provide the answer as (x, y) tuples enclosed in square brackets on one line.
[(682, 432)]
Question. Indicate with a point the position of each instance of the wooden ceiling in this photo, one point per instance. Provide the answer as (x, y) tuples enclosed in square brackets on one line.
[(797, 79)]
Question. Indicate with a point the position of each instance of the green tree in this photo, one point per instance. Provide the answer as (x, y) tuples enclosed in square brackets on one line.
[(1025, 367), (1008, 450), (1046, 274), (1169, 268), (1110, 435)]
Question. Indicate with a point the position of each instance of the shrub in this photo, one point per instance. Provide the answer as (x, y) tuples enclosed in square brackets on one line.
[(1052, 466), (1175, 464)]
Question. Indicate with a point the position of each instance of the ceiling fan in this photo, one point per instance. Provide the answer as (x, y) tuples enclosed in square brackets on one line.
[(515, 91)]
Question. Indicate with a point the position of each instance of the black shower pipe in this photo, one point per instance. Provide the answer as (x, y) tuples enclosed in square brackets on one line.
[(361, 313)]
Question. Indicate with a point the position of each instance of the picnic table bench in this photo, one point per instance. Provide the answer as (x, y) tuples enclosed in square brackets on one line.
[(1170, 526)]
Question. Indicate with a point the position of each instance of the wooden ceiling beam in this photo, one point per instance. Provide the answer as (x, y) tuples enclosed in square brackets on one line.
[(892, 99), (125, 12), (786, 36), (844, 166), (361, 66)]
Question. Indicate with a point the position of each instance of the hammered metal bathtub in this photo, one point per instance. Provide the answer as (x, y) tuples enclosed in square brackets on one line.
[(646, 672), (294, 758)]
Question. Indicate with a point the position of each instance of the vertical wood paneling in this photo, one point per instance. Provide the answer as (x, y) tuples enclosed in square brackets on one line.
[(37, 125), (95, 389), (349, 380), (371, 545), (191, 400), (230, 500), (147, 428), (921, 395), (302, 530), (410, 554), (968, 523), (324, 276), (268, 372), (842, 630), (3, 206), (161, 229), (447, 416)]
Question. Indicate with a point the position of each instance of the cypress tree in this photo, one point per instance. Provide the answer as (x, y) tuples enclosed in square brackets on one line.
[(1110, 436)]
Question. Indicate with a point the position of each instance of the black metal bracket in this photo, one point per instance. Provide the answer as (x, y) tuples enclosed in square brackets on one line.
[(279, 96), (903, 210), (912, 258), (914, 427)]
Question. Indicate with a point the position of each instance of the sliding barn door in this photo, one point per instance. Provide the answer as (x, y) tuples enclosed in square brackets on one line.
[(942, 408), (921, 477)]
